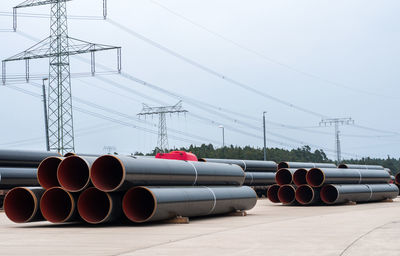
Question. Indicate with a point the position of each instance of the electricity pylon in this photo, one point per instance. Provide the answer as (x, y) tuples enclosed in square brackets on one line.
[(337, 122), (162, 143), (58, 47)]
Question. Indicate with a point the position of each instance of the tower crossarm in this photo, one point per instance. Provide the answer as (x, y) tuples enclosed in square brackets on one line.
[(30, 3), (76, 46)]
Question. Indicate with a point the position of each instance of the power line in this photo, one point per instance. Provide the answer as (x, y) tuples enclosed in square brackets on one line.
[(268, 59), (213, 72), (179, 96), (98, 115)]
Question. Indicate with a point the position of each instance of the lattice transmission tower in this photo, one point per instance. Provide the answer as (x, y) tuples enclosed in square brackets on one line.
[(162, 142), (58, 47), (336, 122)]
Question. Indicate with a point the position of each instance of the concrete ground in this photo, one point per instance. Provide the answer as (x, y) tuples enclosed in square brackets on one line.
[(268, 229)]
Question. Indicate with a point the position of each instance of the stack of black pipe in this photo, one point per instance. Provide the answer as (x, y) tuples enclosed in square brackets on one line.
[(259, 174), (122, 188), (328, 185)]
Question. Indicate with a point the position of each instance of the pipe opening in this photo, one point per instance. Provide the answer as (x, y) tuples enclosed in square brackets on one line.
[(47, 172), (343, 166), (57, 205), (20, 205), (283, 177), (202, 160), (315, 177), (139, 204), (283, 165), (286, 194), (73, 173), (397, 179), (272, 193), (304, 194), (107, 173), (299, 177), (329, 194), (69, 154), (94, 206)]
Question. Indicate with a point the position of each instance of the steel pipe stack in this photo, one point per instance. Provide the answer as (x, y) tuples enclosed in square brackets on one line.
[(120, 188), (329, 185)]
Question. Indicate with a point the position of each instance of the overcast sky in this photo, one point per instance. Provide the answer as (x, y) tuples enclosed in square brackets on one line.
[(332, 58)]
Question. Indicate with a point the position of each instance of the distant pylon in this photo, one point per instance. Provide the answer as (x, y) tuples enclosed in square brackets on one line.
[(337, 122), (162, 142)]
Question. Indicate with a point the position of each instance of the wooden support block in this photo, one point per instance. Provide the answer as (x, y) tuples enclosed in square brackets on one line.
[(178, 220), (351, 203), (388, 200), (238, 213)]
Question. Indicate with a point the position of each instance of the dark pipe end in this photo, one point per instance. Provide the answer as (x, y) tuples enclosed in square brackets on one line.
[(73, 174), (272, 193), (47, 172), (305, 194), (287, 194), (343, 166), (299, 177), (20, 205), (94, 206), (329, 194), (283, 176), (202, 160), (315, 177), (397, 179), (282, 165), (57, 205), (139, 204), (107, 173), (69, 154)]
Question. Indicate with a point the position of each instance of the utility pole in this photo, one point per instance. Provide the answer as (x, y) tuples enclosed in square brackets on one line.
[(58, 47), (265, 137), (336, 122), (46, 123), (162, 143), (223, 135)]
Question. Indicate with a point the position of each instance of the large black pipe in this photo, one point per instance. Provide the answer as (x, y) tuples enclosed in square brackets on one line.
[(361, 166), (307, 195), (259, 178), (296, 165), (111, 173), (336, 194), (47, 172), (397, 179), (299, 177), (73, 173), (272, 193), (58, 205), (247, 165), (23, 158), (317, 177), (18, 177), (95, 206), (21, 204), (287, 195), (284, 176), (144, 204)]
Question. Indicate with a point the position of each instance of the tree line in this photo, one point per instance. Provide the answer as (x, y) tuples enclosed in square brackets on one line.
[(302, 154)]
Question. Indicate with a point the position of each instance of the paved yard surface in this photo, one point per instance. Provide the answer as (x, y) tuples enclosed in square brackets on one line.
[(268, 229)]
